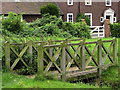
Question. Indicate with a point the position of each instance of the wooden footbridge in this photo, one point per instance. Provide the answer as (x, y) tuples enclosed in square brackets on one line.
[(65, 58)]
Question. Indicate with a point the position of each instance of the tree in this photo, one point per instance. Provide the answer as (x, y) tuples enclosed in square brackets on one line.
[(12, 23), (50, 8)]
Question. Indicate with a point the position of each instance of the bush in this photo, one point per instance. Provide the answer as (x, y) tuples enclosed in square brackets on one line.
[(115, 30), (12, 23), (82, 30), (79, 29), (50, 29), (79, 18), (51, 25), (50, 8)]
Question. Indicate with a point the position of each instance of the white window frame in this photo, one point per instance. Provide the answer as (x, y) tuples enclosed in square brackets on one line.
[(87, 3), (90, 17), (70, 1), (61, 17), (102, 19), (114, 19), (110, 2), (21, 18), (68, 16), (17, 0)]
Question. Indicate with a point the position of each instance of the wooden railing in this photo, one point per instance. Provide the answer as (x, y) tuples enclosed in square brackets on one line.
[(63, 54)]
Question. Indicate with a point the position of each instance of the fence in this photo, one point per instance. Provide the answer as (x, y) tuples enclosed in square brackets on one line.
[(97, 31), (63, 54)]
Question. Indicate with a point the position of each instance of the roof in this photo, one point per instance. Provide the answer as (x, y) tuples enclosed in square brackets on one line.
[(26, 7)]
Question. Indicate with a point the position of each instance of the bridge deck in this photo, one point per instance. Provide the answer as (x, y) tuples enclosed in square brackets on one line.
[(75, 72)]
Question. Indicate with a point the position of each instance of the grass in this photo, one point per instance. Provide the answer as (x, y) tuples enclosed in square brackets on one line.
[(110, 77), (10, 80)]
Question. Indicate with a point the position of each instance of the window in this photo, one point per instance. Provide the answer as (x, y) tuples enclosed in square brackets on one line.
[(17, 0), (88, 2), (21, 19), (108, 3), (115, 19), (89, 15), (70, 2), (70, 17), (61, 17), (101, 19)]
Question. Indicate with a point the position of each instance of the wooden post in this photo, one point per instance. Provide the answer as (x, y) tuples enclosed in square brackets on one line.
[(68, 57), (63, 62), (99, 59), (40, 59), (30, 50), (83, 54), (115, 50), (7, 55), (50, 50)]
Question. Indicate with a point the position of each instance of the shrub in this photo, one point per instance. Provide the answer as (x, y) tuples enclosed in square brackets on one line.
[(65, 34), (51, 25), (79, 18), (82, 30), (68, 26), (50, 29), (79, 29), (50, 8), (46, 19), (115, 30), (12, 23)]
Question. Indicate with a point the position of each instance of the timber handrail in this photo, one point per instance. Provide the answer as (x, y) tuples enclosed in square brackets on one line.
[(66, 51)]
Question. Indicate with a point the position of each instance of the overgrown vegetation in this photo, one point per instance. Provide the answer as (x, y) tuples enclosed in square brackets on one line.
[(51, 25), (115, 30), (50, 8), (46, 26), (12, 23)]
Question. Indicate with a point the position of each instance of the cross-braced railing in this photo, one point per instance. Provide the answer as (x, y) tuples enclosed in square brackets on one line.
[(60, 56)]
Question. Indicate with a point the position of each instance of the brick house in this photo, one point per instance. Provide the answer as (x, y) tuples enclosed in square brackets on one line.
[(96, 11)]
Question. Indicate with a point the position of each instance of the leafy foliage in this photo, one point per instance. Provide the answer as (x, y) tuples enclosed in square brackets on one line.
[(115, 30), (12, 23), (50, 8), (46, 26), (51, 25), (81, 16)]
